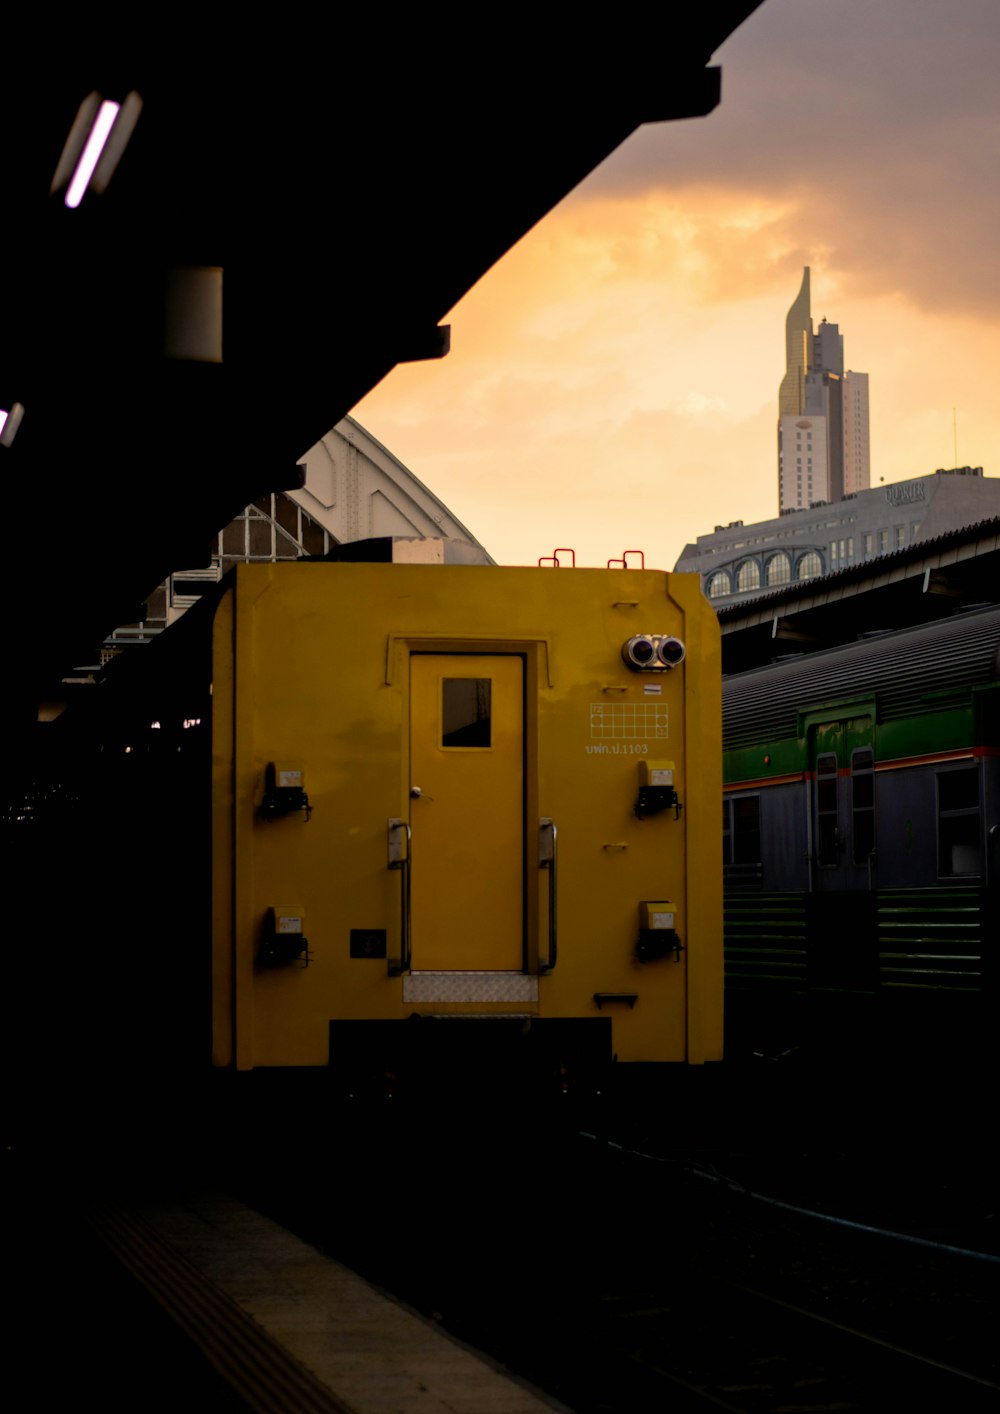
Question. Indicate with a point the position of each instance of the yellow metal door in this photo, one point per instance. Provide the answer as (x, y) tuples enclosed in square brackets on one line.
[(467, 811)]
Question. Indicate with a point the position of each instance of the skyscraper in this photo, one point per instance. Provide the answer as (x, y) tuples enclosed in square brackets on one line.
[(822, 414)]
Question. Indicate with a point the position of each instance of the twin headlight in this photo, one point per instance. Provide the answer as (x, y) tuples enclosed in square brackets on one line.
[(653, 652)]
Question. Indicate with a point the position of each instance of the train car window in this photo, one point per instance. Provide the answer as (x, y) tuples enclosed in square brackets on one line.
[(827, 819), (741, 829), (746, 829), (958, 822), (863, 804), (466, 712)]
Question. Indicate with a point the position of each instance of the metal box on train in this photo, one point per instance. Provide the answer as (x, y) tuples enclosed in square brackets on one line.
[(449, 794)]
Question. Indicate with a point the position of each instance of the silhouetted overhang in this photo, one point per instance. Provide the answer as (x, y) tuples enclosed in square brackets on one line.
[(337, 184), (929, 579)]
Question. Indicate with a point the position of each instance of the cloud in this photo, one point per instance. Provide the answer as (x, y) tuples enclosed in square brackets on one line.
[(874, 128), (613, 380)]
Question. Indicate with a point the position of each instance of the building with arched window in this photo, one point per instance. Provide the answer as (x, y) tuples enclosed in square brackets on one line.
[(354, 489), (748, 576), (778, 569), (737, 561)]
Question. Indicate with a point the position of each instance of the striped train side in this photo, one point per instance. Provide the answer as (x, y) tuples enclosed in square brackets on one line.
[(860, 818)]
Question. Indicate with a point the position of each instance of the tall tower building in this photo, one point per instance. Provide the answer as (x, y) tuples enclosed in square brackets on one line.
[(798, 346), (822, 414), (857, 457)]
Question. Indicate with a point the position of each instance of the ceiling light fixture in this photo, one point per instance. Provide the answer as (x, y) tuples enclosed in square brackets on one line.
[(97, 139), (9, 423)]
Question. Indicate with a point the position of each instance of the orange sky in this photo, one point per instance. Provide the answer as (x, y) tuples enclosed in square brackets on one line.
[(613, 381)]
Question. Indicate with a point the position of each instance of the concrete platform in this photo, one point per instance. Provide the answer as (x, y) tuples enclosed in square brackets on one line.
[(289, 1329)]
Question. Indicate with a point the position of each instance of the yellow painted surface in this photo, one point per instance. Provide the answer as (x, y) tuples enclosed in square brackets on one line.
[(703, 771), (223, 923), (325, 668), (657, 913), (467, 822)]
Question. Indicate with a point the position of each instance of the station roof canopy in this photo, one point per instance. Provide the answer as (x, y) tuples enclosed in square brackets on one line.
[(280, 216), (929, 579)]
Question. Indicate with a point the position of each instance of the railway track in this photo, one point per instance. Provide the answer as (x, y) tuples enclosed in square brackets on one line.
[(617, 1283), (770, 1356)]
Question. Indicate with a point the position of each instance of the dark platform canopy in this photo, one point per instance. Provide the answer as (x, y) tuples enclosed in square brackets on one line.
[(341, 184)]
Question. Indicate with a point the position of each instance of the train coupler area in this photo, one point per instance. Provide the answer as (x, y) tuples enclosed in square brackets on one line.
[(481, 1057)]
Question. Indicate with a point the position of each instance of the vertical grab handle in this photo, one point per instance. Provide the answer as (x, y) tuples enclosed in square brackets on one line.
[(398, 859), (547, 852)]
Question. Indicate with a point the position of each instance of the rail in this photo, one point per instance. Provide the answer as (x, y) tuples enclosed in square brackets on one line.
[(402, 861), (547, 859)]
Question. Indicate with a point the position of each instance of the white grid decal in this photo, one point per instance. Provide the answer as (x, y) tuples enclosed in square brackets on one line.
[(628, 721)]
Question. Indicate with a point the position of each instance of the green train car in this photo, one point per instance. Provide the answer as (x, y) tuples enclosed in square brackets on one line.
[(860, 822)]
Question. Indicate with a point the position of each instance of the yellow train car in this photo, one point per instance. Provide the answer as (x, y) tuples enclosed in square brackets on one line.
[(451, 793)]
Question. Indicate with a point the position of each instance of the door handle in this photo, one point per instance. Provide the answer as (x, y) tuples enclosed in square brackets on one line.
[(401, 860), (547, 857)]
